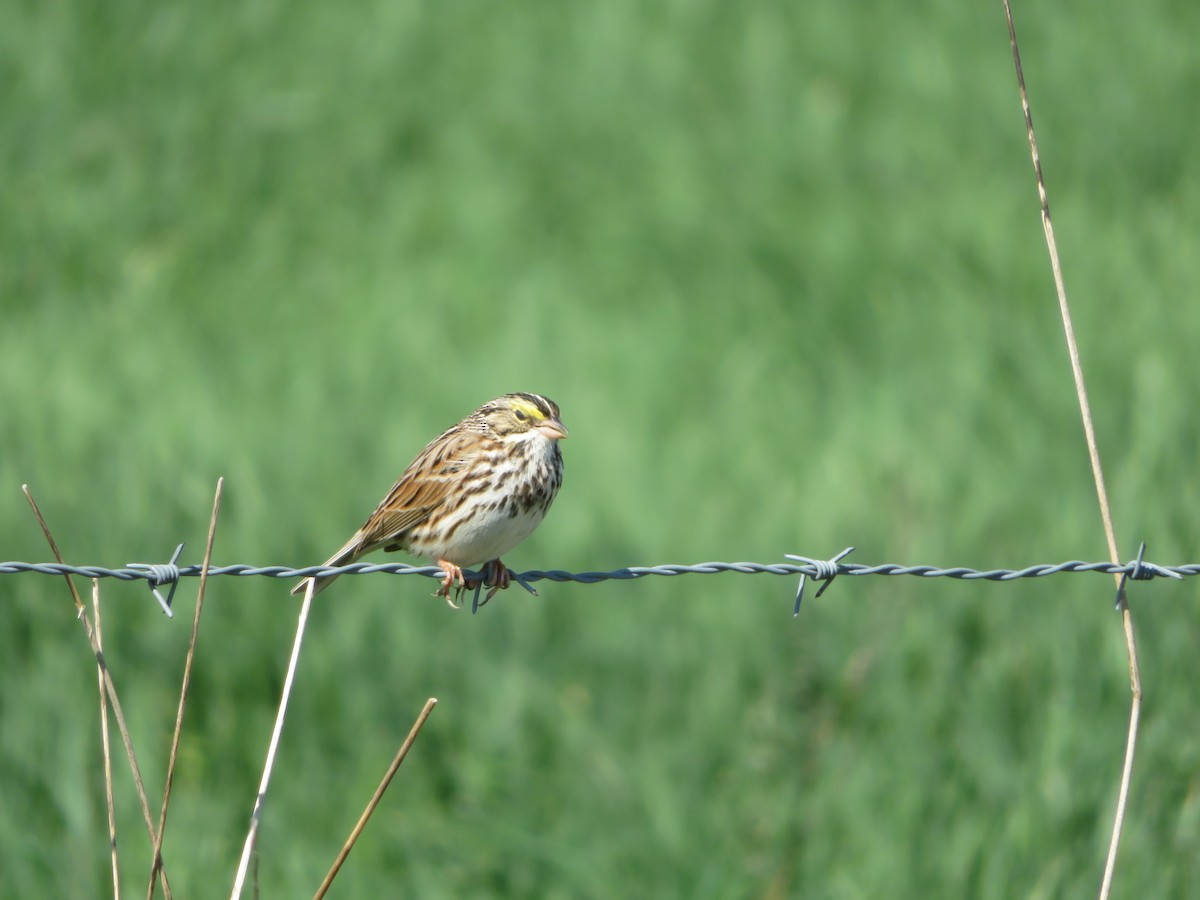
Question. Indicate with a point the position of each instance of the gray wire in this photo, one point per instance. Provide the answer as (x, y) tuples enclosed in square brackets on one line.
[(161, 574)]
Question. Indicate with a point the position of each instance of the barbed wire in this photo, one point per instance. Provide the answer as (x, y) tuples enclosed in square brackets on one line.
[(823, 570)]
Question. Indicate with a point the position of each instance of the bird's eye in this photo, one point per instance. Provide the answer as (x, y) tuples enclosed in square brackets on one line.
[(521, 415)]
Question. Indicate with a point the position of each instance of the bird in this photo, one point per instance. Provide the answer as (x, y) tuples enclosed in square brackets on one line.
[(470, 496)]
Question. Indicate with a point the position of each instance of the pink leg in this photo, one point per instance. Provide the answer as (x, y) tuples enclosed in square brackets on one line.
[(453, 574)]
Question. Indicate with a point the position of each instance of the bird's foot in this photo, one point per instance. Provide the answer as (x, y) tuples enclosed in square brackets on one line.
[(495, 576), (453, 574)]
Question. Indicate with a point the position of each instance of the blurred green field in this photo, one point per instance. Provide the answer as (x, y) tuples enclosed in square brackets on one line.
[(782, 268)]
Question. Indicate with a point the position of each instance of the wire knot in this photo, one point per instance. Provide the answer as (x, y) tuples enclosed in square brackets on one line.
[(824, 571), (158, 574), (1140, 570)]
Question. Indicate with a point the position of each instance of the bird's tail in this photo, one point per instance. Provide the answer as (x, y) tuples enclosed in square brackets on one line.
[(348, 554)]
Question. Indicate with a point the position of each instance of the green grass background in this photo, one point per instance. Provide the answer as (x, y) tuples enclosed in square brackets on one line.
[(781, 266)]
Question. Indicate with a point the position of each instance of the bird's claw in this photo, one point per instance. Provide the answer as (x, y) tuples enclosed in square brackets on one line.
[(495, 576), (453, 574)]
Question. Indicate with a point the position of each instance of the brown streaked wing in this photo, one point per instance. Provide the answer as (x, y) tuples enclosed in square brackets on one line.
[(388, 525), (422, 488)]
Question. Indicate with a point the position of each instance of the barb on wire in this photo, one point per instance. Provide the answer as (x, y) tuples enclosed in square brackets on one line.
[(1140, 570), (158, 575), (827, 570)]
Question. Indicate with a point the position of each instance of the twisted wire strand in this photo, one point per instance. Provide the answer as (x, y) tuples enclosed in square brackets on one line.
[(162, 574)]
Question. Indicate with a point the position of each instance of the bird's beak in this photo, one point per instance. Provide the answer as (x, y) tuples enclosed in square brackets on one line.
[(553, 429)]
